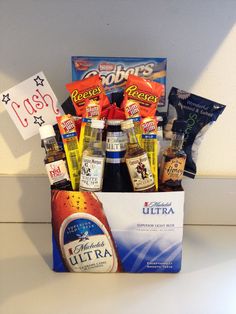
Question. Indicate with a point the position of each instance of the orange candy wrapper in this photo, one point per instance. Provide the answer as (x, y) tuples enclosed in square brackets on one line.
[(146, 92), (87, 89)]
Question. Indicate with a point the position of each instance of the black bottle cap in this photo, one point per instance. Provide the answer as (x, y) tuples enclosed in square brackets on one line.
[(179, 126)]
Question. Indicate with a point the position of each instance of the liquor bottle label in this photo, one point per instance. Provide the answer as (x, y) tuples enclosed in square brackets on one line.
[(173, 170), (57, 171), (86, 245), (91, 177), (140, 172), (115, 147)]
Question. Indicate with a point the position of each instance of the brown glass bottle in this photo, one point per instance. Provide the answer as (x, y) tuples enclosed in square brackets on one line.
[(173, 162), (55, 160), (137, 161)]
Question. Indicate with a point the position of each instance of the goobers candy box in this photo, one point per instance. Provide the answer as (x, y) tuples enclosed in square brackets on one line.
[(92, 232), (114, 72)]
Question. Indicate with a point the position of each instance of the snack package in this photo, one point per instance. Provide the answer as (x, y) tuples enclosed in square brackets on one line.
[(132, 111), (199, 113), (114, 72), (68, 132), (150, 144), (145, 92), (92, 111), (90, 88)]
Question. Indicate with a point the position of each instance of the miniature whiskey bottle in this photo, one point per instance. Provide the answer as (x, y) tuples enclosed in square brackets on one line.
[(174, 158)]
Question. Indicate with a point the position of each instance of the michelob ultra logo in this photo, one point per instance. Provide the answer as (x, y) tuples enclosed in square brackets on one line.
[(78, 96), (135, 93), (158, 208)]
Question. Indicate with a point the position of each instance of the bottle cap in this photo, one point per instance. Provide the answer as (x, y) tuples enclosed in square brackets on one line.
[(114, 122), (97, 124), (179, 126), (127, 124), (46, 131)]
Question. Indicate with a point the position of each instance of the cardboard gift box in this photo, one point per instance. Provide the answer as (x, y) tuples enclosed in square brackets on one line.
[(117, 232)]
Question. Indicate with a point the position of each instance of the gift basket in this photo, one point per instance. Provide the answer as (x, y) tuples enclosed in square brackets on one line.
[(115, 157)]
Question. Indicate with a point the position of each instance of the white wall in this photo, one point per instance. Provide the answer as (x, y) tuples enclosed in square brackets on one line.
[(197, 37)]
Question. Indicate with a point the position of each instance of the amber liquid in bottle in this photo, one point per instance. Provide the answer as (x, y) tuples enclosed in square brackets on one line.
[(55, 162), (173, 163), (137, 162)]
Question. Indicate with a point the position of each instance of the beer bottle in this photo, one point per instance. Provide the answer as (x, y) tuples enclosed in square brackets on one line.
[(82, 234), (116, 175)]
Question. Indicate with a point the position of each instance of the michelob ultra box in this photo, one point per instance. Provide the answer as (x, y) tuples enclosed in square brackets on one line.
[(114, 72), (117, 232)]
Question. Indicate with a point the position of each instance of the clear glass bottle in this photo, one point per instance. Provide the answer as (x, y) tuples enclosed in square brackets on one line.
[(174, 158), (137, 161), (55, 159), (93, 160), (116, 175)]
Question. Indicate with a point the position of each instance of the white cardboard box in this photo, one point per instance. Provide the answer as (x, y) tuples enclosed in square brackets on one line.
[(146, 232)]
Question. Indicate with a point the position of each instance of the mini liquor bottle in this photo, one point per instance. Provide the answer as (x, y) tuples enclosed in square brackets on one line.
[(116, 175), (93, 160), (137, 161), (55, 159), (174, 159)]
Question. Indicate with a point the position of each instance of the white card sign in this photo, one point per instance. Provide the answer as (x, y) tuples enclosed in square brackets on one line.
[(31, 104)]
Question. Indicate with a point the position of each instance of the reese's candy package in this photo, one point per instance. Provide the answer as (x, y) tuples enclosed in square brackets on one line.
[(199, 113), (89, 88), (150, 144), (146, 92)]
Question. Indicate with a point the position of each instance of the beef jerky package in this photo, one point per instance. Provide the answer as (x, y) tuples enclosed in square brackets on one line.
[(199, 113)]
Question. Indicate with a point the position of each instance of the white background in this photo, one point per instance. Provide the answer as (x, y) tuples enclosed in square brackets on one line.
[(197, 37)]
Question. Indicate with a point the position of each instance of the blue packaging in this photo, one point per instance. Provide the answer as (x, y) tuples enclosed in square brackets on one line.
[(115, 70)]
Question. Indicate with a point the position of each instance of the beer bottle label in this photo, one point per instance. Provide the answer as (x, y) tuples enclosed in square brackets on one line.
[(173, 170), (115, 147), (140, 172), (57, 171), (91, 177), (86, 245)]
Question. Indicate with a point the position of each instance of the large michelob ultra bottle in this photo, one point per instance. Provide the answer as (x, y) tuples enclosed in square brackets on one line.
[(116, 175), (82, 233)]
